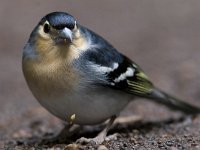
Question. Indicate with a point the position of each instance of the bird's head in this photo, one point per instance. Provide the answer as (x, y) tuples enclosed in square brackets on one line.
[(58, 27), (57, 32)]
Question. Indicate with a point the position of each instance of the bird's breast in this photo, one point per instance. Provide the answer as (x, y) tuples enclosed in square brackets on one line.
[(49, 80)]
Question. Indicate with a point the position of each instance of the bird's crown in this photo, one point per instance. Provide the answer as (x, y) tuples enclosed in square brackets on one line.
[(59, 20)]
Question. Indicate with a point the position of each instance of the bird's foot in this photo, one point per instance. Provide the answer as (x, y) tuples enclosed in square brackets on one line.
[(97, 140), (112, 137), (68, 132), (100, 138)]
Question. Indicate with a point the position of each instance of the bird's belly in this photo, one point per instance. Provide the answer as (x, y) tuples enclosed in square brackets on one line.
[(89, 108)]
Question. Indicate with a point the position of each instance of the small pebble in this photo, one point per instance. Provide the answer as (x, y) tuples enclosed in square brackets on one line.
[(169, 143)]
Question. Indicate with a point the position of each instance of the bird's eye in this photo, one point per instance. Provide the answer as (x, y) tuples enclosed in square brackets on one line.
[(46, 28), (70, 26)]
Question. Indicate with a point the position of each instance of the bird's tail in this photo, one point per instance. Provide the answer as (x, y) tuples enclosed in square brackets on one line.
[(172, 102)]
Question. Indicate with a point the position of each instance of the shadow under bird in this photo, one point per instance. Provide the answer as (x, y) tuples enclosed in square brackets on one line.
[(81, 78)]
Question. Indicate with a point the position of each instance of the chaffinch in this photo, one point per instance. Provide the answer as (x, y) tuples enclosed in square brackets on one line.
[(81, 78)]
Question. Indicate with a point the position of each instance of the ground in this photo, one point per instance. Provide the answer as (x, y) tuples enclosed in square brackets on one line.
[(161, 36)]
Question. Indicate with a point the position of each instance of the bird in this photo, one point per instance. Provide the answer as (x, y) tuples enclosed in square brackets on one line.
[(81, 78)]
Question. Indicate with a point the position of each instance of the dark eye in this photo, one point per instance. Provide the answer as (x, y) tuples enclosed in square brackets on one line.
[(70, 26), (46, 28)]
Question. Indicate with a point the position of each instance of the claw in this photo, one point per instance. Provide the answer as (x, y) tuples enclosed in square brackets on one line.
[(95, 141), (112, 137), (100, 138)]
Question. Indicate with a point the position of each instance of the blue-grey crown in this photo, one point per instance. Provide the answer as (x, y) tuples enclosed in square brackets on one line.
[(59, 20)]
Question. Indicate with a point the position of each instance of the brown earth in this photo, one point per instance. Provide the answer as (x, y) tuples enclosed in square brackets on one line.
[(162, 36)]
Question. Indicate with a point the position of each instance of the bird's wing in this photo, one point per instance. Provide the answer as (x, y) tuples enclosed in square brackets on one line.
[(129, 77), (118, 72)]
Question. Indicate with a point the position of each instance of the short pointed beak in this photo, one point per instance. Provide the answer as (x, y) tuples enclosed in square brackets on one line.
[(66, 34)]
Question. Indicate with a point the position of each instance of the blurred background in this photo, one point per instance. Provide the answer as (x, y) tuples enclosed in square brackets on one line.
[(163, 37)]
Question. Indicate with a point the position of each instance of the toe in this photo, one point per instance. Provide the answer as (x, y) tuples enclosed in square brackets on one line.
[(94, 141), (112, 137), (83, 140)]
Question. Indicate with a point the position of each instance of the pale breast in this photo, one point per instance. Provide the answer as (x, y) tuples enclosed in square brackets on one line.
[(50, 79)]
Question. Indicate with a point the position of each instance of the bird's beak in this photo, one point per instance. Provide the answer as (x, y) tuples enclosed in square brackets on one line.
[(66, 34)]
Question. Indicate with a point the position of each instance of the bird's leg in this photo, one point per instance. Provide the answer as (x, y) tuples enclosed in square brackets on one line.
[(101, 136), (68, 131)]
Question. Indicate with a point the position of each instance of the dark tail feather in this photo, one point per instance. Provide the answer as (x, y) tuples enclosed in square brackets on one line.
[(172, 102)]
